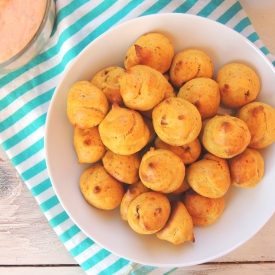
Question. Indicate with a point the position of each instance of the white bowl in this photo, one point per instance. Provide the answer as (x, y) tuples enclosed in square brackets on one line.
[(246, 210)]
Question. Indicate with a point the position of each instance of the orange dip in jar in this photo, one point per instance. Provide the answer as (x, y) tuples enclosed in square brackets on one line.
[(22, 21)]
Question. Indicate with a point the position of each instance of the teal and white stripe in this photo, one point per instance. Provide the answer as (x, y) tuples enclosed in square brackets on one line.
[(26, 93)]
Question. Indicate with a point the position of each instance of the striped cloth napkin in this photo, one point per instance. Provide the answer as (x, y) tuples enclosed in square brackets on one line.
[(26, 94)]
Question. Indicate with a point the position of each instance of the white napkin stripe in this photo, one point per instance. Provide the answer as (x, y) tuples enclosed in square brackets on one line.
[(62, 228)]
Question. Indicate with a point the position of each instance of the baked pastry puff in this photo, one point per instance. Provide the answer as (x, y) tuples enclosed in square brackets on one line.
[(123, 131), (132, 192), (100, 189), (204, 211), (123, 168), (225, 136), (87, 105), (150, 126), (148, 212), (179, 227), (239, 84), (188, 153), (107, 81), (161, 170), (247, 168), (204, 93), (176, 121), (260, 119), (170, 92), (142, 87), (152, 49), (188, 64), (88, 145), (209, 177), (184, 187)]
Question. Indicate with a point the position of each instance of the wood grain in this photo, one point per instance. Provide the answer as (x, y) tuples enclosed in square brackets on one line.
[(23, 226), (53, 270), (205, 269), (261, 14)]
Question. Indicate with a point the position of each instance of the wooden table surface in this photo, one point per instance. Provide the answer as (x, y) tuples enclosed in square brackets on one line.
[(29, 245)]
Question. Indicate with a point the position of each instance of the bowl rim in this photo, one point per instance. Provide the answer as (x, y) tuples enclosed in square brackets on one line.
[(46, 140)]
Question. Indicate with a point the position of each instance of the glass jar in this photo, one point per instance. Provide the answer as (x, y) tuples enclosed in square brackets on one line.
[(32, 47)]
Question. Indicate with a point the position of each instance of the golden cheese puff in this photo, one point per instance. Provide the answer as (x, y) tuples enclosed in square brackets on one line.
[(100, 189), (239, 84), (170, 92), (147, 113), (204, 211), (150, 126), (184, 187), (209, 177), (189, 64), (179, 227), (201, 133), (188, 153), (88, 145), (86, 105), (124, 131), (142, 87), (204, 93), (225, 136), (107, 81), (123, 168), (161, 170), (260, 119), (247, 168), (148, 212), (151, 49), (176, 121), (132, 192)]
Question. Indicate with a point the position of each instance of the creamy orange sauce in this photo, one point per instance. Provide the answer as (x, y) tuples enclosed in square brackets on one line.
[(19, 21)]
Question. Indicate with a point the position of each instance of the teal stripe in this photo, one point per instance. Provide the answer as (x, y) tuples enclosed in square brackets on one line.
[(242, 24), (170, 271), (25, 132), (143, 270), (233, 10), (23, 111), (273, 63), (116, 266), (117, 17), (159, 5), (264, 50), (209, 8), (253, 37), (34, 170), (50, 203), (69, 233), (187, 5), (41, 187), (95, 259), (60, 218), (49, 54), (27, 153), (82, 246), (66, 11)]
